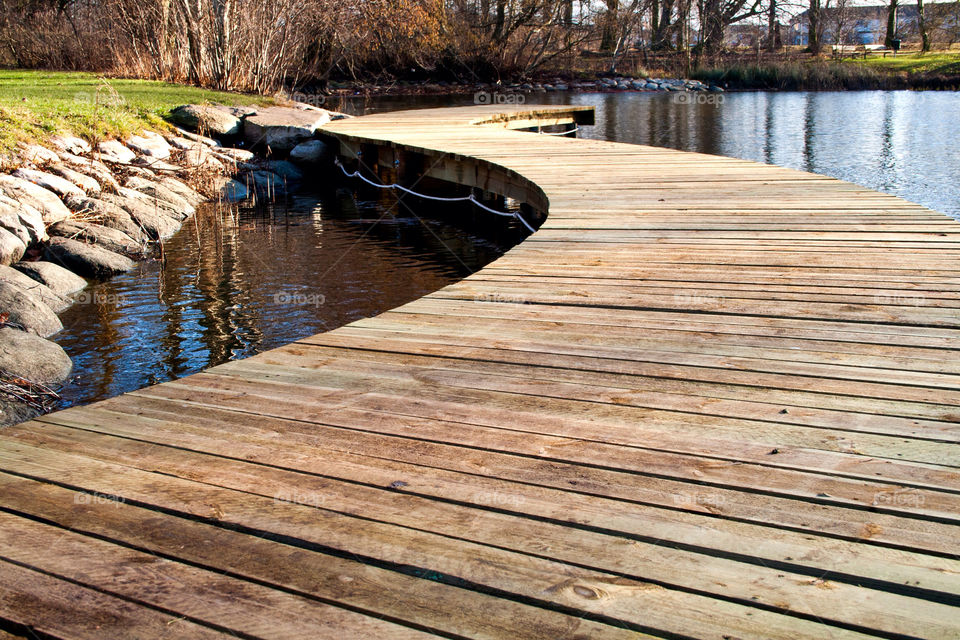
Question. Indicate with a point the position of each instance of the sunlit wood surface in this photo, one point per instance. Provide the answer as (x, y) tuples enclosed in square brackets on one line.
[(708, 398)]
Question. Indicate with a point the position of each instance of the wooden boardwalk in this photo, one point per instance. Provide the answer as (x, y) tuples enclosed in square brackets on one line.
[(707, 399)]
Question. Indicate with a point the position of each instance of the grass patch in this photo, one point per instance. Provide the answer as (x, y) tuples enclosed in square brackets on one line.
[(37, 104), (929, 63)]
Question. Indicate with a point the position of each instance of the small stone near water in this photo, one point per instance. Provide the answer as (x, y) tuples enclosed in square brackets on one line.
[(238, 155), (288, 172), (87, 260), (311, 152), (47, 296), (46, 202), (81, 180), (108, 215), (158, 191), (114, 151), (150, 144), (12, 247), (32, 357), (26, 310), (231, 190), (204, 140), (182, 190), (48, 181), (110, 239), (150, 219), (60, 280), (206, 119)]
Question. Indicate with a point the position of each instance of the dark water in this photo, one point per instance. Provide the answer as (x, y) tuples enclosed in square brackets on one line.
[(265, 279), (906, 143), (238, 283)]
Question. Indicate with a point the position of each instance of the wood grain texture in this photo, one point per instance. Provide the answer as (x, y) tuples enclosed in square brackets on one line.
[(708, 398)]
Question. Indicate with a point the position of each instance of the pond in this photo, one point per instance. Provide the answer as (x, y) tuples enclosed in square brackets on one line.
[(266, 278)]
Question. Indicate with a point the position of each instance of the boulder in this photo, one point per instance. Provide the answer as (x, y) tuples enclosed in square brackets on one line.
[(230, 190), (47, 296), (36, 154), (150, 144), (22, 220), (210, 142), (156, 190), (206, 119), (237, 112), (108, 215), (236, 155), (289, 173), (33, 358), (51, 209), (26, 310), (155, 165), (84, 182), (87, 260), (12, 247), (153, 222), (312, 152), (56, 184), (71, 144), (114, 151), (58, 279), (282, 128), (182, 190), (110, 239), (93, 168), (266, 183)]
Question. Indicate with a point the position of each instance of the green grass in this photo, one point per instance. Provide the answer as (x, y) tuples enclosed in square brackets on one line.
[(37, 104), (929, 63)]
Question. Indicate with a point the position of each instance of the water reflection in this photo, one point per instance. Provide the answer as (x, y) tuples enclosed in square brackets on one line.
[(235, 284)]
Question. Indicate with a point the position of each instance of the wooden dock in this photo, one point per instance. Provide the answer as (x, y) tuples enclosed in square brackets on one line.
[(709, 398)]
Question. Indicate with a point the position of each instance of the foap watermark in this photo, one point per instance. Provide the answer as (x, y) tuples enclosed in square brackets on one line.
[(898, 499), (95, 498), (312, 99), (502, 298), (95, 297), (698, 97), (497, 499), (297, 496), (294, 299), (498, 97), (900, 299), (695, 300), (713, 500)]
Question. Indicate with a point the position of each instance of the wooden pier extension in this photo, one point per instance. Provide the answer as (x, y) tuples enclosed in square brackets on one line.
[(707, 399)]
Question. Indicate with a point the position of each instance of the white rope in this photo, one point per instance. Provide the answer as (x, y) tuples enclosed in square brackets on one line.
[(559, 133), (470, 198)]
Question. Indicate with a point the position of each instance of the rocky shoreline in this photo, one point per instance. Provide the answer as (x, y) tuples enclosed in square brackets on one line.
[(72, 213)]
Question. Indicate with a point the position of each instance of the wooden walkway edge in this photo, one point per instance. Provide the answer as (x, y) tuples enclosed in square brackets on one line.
[(708, 398)]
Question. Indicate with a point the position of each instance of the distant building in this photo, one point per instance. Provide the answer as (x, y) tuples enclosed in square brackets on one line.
[(852, 25)]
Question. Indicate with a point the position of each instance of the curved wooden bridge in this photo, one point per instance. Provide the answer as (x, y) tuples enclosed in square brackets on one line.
[(707, 399)]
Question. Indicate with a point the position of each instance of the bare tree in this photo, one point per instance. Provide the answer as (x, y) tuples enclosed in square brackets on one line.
[(892, 10)]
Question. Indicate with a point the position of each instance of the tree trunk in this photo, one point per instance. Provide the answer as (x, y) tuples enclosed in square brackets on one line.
[(772, 44), (608, 39), (922, 26), (813, 28), (499, 24), (891, 24)]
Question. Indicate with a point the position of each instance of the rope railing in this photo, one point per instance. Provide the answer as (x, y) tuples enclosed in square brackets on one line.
[(470, 198), (559, 133)]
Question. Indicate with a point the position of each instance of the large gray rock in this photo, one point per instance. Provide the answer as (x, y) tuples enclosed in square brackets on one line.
[(108, 215), (12, 248), (210, 142), (150, 219), (35, 154), (114, 151), (58, 279), (47, 296), (94, 169), (22, 220), (205, 120), (110, 239), (230, 190), (87, 260), (289, 173), (201, 157), (26, 310), (282, 128), (183, 190), (85, 183), (56, 184), (46, 202), (236, 155), (312, 152), (32, 357), (71, 144), (158, 195), (150, 144)]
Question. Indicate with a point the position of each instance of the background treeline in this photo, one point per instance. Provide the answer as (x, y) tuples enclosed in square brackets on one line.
[(267, 45)]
